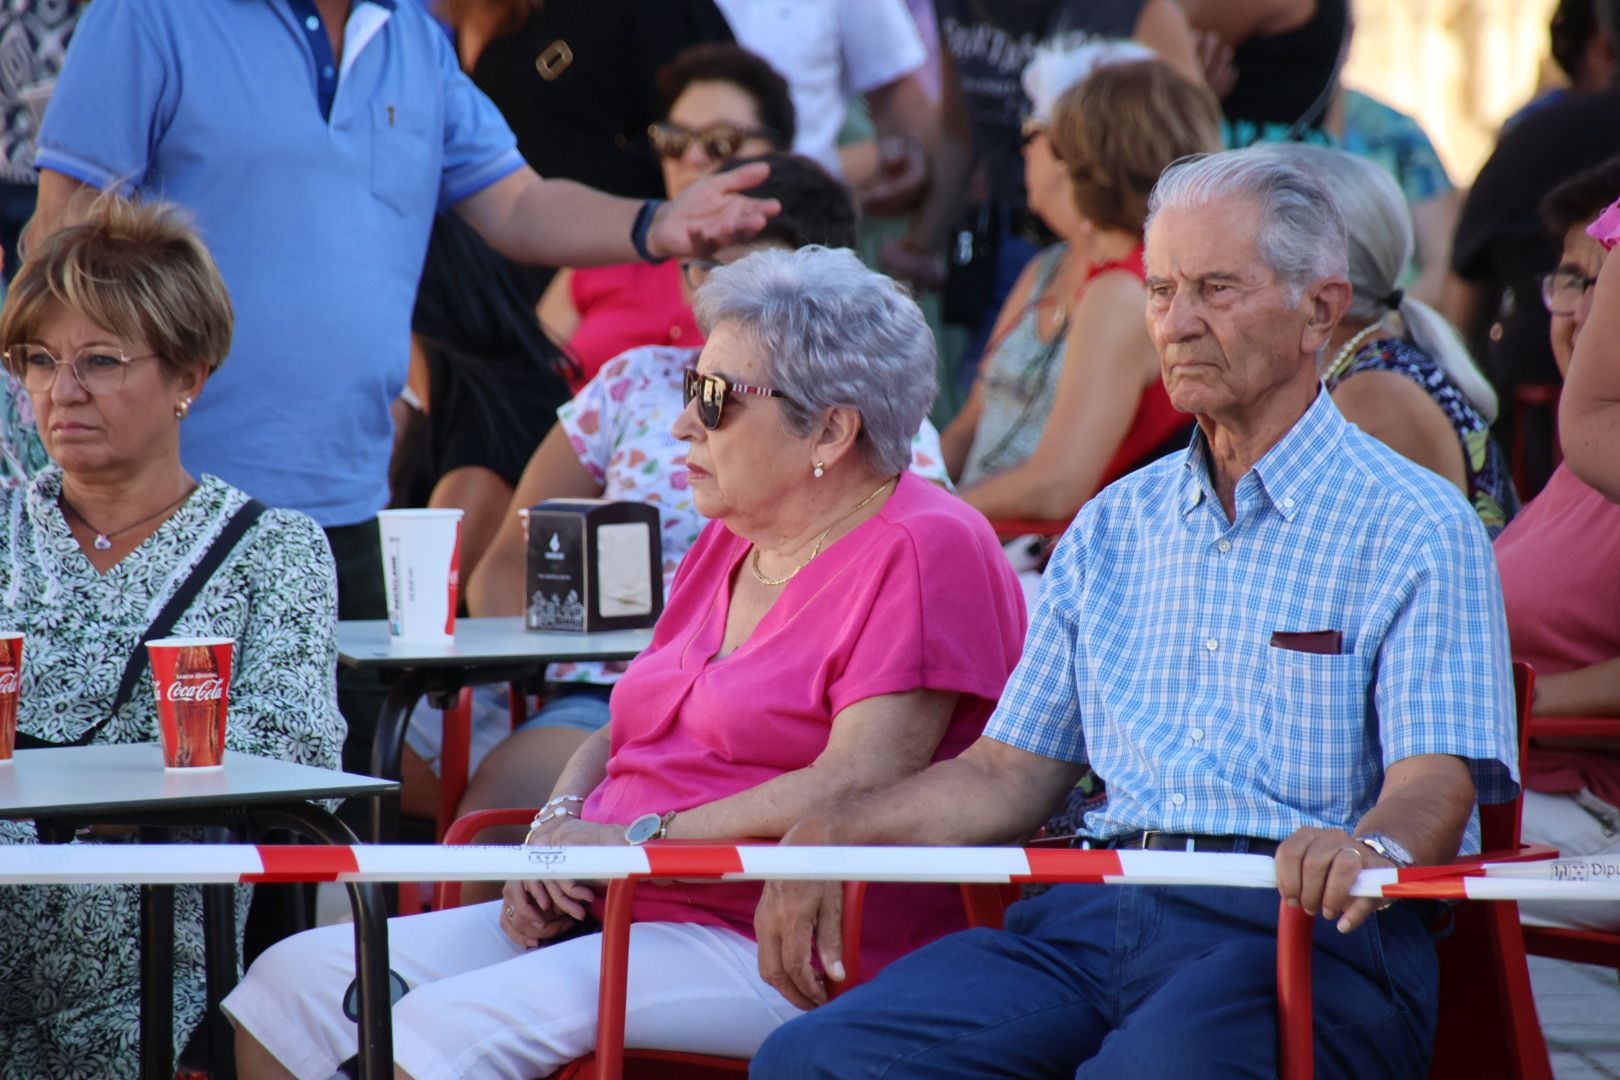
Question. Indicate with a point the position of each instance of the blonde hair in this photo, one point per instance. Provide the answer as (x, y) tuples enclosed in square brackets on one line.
[(137, 270), (1117, 130)]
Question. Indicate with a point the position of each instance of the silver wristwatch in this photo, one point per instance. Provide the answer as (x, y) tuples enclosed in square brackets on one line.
[(1388, 847), (648, 827)]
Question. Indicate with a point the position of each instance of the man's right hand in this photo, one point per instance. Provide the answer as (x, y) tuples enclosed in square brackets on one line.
[(792, 918)]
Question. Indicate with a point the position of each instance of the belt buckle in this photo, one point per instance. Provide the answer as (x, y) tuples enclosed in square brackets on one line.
[(1147, 838)]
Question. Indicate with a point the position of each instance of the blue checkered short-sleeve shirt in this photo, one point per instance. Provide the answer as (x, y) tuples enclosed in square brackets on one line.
[(1149, 655)]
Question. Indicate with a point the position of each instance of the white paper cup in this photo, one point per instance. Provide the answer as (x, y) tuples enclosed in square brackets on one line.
[(421, 552)]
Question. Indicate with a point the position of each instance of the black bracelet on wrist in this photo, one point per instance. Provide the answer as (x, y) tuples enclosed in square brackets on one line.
[(642, 226)]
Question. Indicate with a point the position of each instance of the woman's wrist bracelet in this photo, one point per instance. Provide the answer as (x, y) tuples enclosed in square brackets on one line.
[(642, 226)]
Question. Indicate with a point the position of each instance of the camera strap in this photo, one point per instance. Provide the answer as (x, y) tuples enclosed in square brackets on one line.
[(224, 543)]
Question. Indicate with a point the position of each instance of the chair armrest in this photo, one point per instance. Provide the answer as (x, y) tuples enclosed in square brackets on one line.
[(1553, 727), (447, 894)]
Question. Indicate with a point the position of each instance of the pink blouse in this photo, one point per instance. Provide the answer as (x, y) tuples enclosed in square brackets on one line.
[(622, 307), (918, 596), (1560, 565)]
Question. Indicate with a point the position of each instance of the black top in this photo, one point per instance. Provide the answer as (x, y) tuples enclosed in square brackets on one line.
[(991, 42), (1501, 241), (589, 122), (1288, 78)]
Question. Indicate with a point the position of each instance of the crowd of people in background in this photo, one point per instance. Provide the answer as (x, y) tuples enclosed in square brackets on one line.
[(857, 294)]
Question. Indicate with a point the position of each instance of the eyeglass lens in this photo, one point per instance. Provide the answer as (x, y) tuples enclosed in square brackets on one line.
[(1561, 292), (98, 371)]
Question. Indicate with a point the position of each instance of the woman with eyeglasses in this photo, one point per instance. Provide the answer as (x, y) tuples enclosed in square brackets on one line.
[(1561, 592), (613, 441), (839, 624), (721, 102), (1069, 397), (114, 325), (1395, 367)]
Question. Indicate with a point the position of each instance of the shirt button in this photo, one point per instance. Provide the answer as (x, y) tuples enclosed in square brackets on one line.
[(1178, 798), (312, 23), (328, 71), (1196, 734), (1288, 504), (1223, 545), (674, 333), (1212, 644)]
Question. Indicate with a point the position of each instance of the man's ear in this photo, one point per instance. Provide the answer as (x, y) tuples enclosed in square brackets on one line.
[(1325, 303)]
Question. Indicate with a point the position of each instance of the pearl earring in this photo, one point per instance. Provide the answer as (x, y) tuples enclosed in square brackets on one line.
[(819, 471), (181, 408)]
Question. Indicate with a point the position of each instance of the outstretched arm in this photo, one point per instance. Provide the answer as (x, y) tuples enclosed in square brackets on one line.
[(1589, 411), (561, 223)]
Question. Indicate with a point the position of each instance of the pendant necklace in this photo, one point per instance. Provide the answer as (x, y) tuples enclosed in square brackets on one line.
[(104, 538)]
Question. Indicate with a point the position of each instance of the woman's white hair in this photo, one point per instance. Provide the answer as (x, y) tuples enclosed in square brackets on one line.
[(1302, 235), (831, 333), (1379, 223)]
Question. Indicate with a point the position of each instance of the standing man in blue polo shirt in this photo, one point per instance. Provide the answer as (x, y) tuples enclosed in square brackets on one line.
[(314, 140)]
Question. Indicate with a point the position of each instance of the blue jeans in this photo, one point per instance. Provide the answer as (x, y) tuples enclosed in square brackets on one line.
[(1094, 981)]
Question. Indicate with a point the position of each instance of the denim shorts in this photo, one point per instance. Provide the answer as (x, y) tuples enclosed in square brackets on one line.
[(574, 705)]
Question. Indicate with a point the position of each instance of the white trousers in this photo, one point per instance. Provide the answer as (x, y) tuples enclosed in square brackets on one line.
[(482, 1006), (1578, 824)]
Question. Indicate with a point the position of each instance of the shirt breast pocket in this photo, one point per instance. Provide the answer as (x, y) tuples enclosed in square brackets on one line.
[(1315, 710), (404, 168)]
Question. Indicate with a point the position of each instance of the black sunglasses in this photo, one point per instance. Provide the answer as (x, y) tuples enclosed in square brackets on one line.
[(719, 141), (709, 391)]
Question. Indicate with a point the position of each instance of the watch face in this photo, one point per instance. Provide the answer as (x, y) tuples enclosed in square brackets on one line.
[(642, 829)]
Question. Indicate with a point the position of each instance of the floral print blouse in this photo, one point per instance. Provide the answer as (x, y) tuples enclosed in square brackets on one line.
[(69, 977), (1490, 485)]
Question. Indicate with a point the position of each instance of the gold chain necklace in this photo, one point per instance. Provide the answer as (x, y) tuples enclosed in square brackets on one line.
[(815, 549), (1346, 354)]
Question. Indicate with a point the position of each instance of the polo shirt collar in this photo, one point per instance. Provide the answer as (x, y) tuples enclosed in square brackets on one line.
[(1288, 472)]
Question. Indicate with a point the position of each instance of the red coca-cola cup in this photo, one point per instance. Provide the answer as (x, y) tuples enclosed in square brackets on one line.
[(192, 679), (11, 650)]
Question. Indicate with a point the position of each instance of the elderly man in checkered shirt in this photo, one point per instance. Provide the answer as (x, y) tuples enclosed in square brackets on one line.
[(1288, 640)]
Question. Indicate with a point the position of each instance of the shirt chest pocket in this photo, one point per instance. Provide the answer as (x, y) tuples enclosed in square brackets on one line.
[(1315, 710), (404, 160)]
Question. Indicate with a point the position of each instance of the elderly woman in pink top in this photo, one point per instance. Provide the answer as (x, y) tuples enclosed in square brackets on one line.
[(1561, 588), (838, 625)]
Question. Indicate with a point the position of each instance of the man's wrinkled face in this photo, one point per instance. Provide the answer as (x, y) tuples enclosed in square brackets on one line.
[(1228, 331)]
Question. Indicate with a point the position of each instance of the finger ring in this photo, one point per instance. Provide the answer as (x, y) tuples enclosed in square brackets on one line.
[(511, 912), (1354, 849)]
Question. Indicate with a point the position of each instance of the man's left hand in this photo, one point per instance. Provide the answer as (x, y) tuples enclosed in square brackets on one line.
[(711, 215), (1317, 867)]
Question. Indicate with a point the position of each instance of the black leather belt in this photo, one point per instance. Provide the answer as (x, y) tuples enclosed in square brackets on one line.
[(1173, 841)]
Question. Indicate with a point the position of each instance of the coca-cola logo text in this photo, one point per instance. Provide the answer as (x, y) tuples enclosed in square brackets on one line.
[(197, 690), (8, 681)]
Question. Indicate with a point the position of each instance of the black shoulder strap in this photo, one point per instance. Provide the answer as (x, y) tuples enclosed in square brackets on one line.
[(239, 523)]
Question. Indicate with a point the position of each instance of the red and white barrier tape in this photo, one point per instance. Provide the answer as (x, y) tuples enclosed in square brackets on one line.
[(26, 864)]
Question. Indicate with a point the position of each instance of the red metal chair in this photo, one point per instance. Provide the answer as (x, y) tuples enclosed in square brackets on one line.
[(611, 1059), (1488, 1025), (1532, 398)]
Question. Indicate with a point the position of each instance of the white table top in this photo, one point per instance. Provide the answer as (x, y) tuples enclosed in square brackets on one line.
[(485, 642), (75, 781)]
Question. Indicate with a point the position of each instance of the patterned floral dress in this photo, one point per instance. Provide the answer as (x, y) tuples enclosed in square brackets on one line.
[(1490, 485), (69, 979)]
